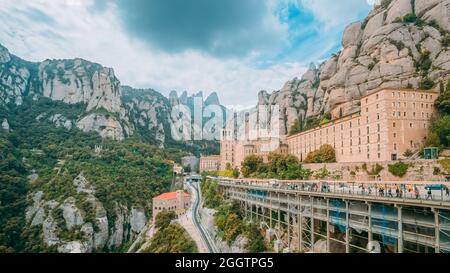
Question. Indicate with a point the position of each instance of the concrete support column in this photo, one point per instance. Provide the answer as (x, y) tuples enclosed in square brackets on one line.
[(437, 247), (300, 224), (246, 210), (289, 222), (370, 233), (279, 211), (311, 200), (271, 209), (328, 225), (347, 228), (400, 229)]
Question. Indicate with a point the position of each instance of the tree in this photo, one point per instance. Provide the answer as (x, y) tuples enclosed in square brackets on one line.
[(164, 218), (296, 127), (399, 169), (172, 239), (187, 169), (441, 126), (443, 102), (251, 164), (236, 173), (326, 154), (408, 153), (255, 242)]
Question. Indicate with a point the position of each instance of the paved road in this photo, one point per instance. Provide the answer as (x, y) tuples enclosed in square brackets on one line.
[(212, 248)]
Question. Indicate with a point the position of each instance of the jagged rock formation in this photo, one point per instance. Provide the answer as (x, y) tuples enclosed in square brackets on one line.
[(76, 82), (82, 225), (109, 109), (401, 44), (149, 113)]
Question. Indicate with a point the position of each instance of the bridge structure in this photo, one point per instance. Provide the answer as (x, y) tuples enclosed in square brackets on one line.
[(347, 217)]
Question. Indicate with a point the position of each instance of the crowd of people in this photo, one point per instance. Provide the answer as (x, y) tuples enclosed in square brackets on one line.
[(394, 191)]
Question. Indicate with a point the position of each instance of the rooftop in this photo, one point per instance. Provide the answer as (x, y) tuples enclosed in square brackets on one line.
[(169, 195), (400, 90)]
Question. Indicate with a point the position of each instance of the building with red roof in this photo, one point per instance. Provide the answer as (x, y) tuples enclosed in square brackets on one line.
[(177, 201)]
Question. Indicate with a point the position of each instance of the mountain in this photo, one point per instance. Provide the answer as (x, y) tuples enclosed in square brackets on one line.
[(80, 155), (106, 107), (401, 44)]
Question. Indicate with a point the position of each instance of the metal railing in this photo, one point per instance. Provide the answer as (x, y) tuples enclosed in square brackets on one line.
[(412, 190)]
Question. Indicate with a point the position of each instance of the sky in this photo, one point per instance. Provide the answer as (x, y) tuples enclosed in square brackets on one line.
[(233, 47)]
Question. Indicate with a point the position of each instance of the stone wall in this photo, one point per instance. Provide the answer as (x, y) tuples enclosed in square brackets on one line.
[(419, 170)]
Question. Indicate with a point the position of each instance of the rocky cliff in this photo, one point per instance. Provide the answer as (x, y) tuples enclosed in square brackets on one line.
[(401, 44), (78, 82), (80, 224), (108, 108)]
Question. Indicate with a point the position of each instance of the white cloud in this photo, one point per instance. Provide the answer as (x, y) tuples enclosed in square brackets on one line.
[(99, 38), (335, 13), (76, 31)]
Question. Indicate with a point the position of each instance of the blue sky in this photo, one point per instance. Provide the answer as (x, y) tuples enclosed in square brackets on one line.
[(233, 47)]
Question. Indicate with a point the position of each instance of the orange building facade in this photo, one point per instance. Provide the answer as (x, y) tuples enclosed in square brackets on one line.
[(390, 123), (177, 202)]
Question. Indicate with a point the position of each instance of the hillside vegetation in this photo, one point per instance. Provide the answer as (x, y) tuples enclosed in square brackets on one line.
[(40, 166)]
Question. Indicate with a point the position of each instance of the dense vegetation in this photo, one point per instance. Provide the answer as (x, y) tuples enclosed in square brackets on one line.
[(211, 196), (129, 173), (279, 166), (230, 221), (301, 125), (439, 131), (398, 169), (13, 189), (170, 237), (164, 218), (325, 154)]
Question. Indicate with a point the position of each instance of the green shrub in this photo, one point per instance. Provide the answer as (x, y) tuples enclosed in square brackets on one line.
[(164, 218), (426, 84), (424, 63), (446, 41), (408, 153), (251, 164), (375, 171), (399, 169), (172, 239), (442, 103), (326, 154), (410, 18)]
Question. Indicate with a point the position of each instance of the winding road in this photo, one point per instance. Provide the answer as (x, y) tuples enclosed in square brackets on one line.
[(209, 242)]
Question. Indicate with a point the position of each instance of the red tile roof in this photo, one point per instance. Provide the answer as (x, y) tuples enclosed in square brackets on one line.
[(169, 195)]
